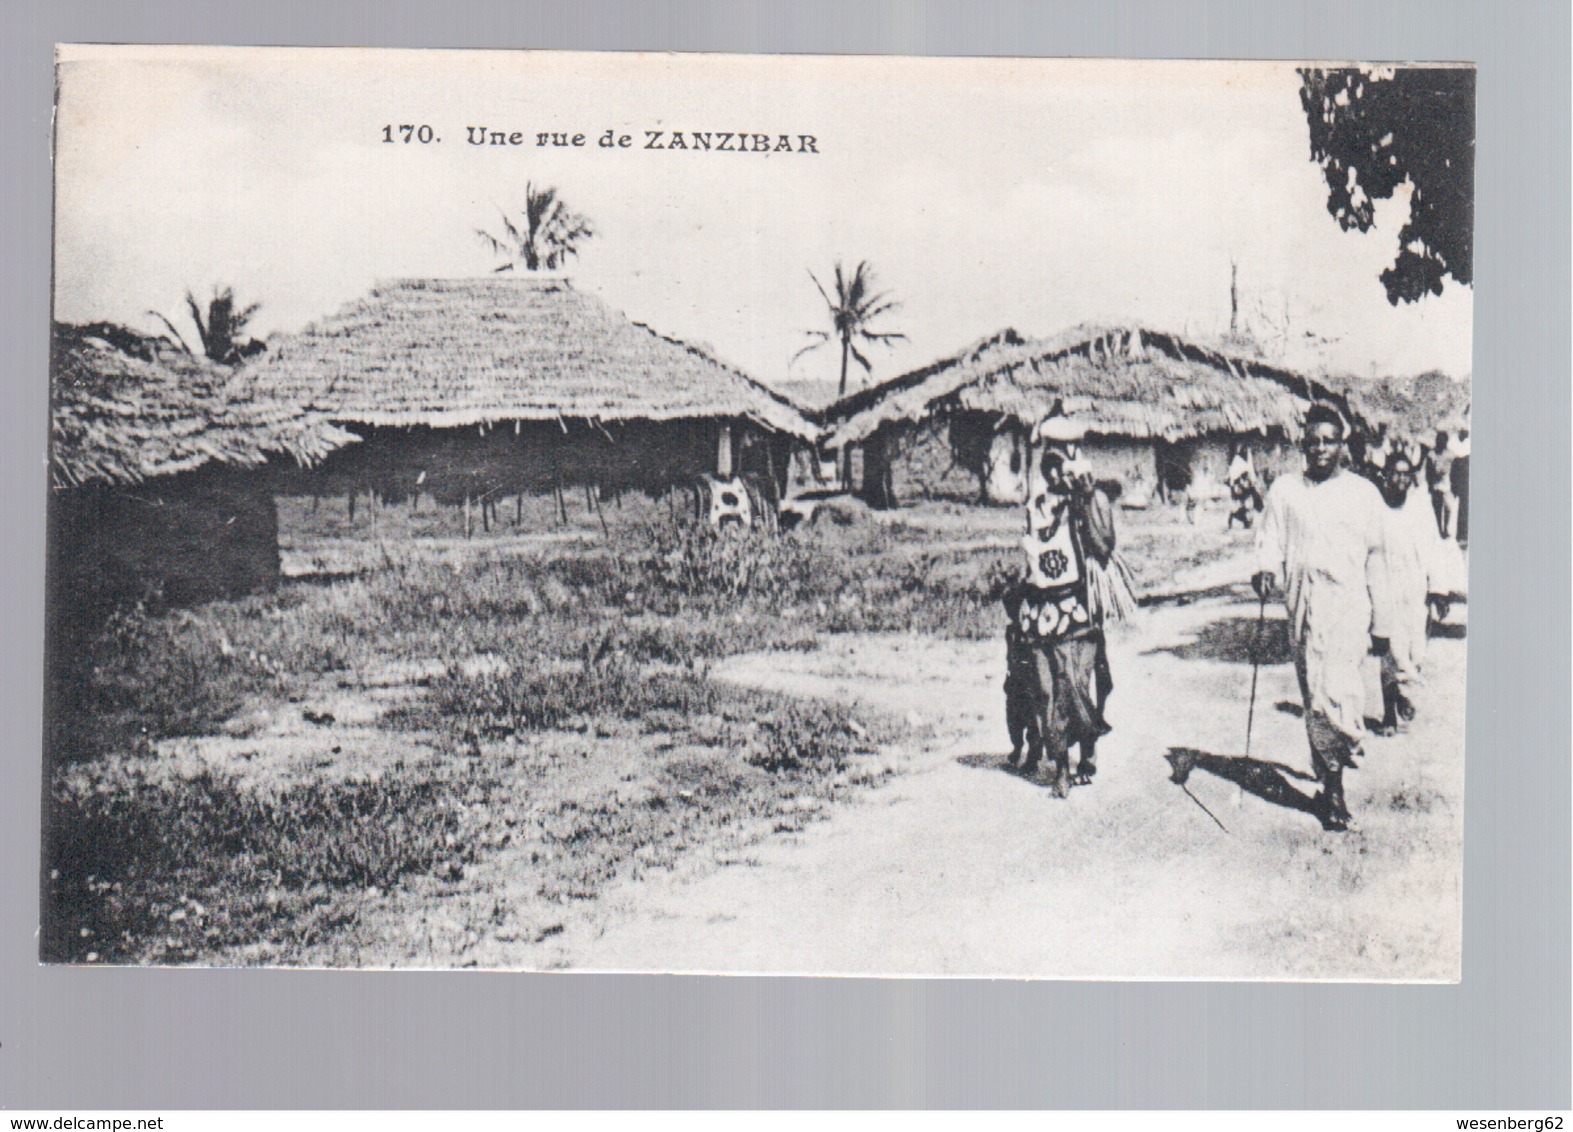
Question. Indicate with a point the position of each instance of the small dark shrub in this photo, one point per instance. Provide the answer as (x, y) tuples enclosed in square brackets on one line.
[(145, 678), (694, 561)]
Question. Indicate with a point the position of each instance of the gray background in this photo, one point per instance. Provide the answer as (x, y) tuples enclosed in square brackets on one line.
[(111, 1039)]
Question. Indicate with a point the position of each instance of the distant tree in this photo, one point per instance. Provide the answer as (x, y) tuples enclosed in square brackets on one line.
[(548, 233), (856, 306), (852, 311), (1371, 131), (222, 331)]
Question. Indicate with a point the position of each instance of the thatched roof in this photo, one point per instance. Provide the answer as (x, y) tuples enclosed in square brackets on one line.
[(811, 393), (1121, 382), (1412, 408), (453, 352), (126, 408)]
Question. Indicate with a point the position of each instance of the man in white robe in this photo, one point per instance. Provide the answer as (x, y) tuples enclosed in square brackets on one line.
[(1412, 578), (1321, 533)]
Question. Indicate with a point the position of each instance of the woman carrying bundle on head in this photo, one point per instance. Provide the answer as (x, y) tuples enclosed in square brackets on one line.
[(1058, 676)]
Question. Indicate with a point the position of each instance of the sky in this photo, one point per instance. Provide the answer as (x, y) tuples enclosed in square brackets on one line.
[(1032, 194)]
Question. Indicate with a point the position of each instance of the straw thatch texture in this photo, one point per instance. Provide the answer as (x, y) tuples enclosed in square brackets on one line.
[(445, 353), (1413, 408), (1132, 383), (128, 408)]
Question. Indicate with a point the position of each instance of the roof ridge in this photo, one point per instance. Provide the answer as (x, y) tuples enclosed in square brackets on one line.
[(458, 350)]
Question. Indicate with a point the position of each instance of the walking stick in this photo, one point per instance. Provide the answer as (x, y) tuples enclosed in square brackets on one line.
[(1256, 669)]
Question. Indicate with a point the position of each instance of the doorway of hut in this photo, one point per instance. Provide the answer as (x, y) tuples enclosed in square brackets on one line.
[(1174, 463)]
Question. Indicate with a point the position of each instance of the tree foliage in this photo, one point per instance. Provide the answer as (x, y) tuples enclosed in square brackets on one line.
[(222, 331), (857, 304), (1374, 130), (548, 233)]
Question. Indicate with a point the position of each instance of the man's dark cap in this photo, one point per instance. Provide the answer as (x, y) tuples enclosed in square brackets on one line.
[(1320, 413)]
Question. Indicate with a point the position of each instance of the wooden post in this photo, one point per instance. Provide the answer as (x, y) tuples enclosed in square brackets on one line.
[(595, 497), (1031, 470), (723, 459), (469, 523), (770, 470)]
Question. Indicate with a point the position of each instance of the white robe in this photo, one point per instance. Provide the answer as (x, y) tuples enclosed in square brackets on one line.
[(1413, 564), (1323, 541)]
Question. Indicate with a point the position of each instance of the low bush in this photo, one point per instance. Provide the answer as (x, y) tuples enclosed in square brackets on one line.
[(161, 870), (142, 679), (692, 560)]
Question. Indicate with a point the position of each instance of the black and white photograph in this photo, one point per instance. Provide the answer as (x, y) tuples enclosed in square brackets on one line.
[(791, 515)]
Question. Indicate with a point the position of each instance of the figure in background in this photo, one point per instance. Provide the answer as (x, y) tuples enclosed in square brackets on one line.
[(1244, 487), (1439, 481), (1411, 583), (1321, 534), (1458, 480), (1378, 450)]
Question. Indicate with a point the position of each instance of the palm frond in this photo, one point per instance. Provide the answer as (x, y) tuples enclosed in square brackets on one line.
[(821, 290), (823, 340), (196, 317), (860, 284), (869, 312), (172, 330), (513, 233), (497, 247)]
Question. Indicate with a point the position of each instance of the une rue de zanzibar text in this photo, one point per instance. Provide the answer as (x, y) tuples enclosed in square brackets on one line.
[(692, 141)]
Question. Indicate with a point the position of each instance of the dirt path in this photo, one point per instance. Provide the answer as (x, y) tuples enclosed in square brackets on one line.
[(960, 868)]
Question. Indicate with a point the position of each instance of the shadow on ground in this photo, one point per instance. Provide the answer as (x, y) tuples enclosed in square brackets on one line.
[(1000, 763), (1269, 781), (324, 579), (1236, 640), (1190, 597), (1289, 707)]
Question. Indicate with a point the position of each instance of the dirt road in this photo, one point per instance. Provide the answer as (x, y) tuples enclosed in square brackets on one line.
[(959, 867)]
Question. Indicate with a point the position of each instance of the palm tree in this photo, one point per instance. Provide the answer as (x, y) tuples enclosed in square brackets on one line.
[(221, 333), (550, 232), (855, 306)]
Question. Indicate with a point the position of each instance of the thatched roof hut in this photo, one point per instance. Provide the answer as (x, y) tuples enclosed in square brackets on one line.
[(1154, 405), (1134, 382), (471, 390), (159, 467), (445, 353), (126, 408)]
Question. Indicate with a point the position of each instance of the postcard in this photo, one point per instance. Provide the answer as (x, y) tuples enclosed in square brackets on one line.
[(781, 514)]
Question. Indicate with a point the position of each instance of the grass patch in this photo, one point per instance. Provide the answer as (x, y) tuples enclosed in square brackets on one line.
[(166, 870), (605, 648)]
